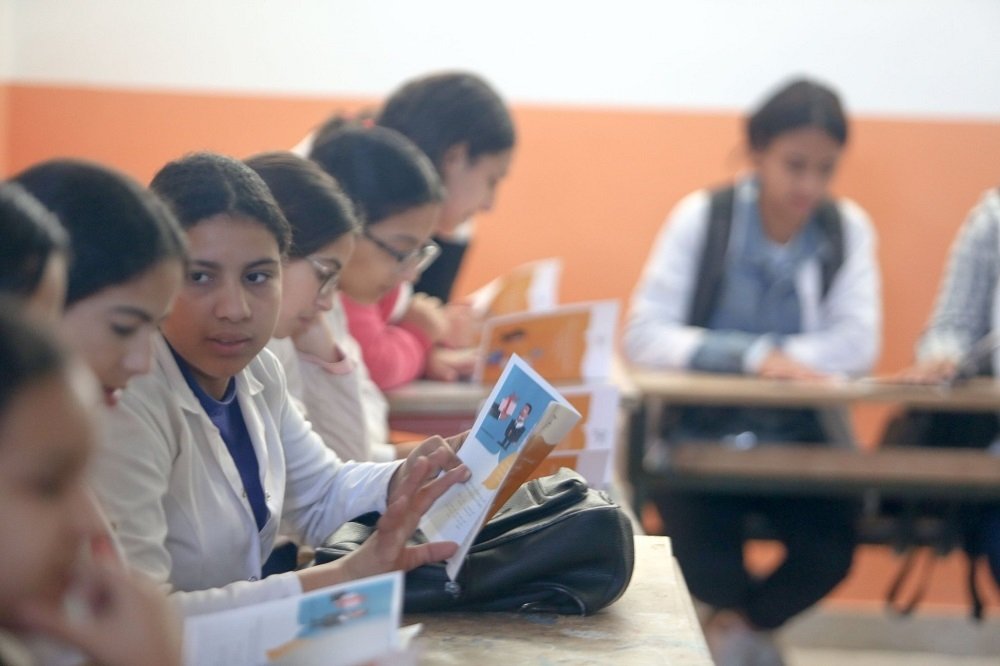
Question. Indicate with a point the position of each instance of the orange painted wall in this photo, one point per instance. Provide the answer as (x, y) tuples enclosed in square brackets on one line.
[(4, 126), (592, 185)]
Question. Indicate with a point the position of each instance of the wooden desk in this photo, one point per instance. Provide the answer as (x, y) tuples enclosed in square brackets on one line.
[(432, 407), (679, 388), (962, 476), (653, 623), (911, 473)]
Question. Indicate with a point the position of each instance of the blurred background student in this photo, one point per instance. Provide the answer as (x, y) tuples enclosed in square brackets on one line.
[(769, 277), (962, 339)]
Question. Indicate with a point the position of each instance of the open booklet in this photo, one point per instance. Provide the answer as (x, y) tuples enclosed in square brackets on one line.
[(529, 287), (522, 420), (342, 625), (571, 343)]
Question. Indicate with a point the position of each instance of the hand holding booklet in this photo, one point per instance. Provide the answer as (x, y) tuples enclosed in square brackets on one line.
[(523, 419), (341, 625)]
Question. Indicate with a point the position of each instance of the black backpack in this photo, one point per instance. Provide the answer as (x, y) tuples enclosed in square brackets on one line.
[(713, 256)]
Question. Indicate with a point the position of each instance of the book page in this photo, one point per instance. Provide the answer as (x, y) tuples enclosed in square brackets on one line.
[(590, 448), (339, 625), (518, 403), (568, 344), (529, 287)]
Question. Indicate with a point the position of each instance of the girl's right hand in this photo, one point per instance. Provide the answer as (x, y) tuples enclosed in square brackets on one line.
[(778, 365), (427, 314), (125, 619), (930, 371)]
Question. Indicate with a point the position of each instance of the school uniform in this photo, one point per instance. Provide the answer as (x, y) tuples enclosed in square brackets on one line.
[(178, 504), (771, 297), (339, 398), (394, 352)]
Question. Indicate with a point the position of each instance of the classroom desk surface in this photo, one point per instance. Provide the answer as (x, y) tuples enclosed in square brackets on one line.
[(905, 472), (653, 623), (689, 388)]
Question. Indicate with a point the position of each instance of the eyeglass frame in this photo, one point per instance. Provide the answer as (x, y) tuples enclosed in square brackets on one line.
[(420, 257), (328, 280)]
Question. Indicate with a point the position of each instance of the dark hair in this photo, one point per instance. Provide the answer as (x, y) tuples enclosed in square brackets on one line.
[(202, 185), (27, 354), (118, 229), (31, 234), (800, 103), (380, 170), (442, 110), (316, 208)]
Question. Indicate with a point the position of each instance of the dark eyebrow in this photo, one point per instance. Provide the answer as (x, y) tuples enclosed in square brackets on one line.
[(214, 265), (131, 311), (262, 263)]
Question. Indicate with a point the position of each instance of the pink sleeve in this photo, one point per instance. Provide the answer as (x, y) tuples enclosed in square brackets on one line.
[(393, 354)]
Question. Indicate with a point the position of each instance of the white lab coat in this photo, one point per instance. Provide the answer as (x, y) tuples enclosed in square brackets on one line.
[(344, 405), (175, 499)]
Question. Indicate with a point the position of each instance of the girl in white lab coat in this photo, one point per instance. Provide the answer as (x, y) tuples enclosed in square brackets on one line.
[(206, 456)]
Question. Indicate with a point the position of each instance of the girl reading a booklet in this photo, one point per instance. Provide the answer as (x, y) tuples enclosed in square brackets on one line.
[(47, 435), (769, 277), (127, 259), (460, 122), (207, 456), (322, 362), (397, 196)]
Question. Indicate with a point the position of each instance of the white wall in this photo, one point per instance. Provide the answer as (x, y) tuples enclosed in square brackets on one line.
[(897, 57), (7, 43)]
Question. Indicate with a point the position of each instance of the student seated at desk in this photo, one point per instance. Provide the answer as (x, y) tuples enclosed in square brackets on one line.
[(206, 456), (53, 583), (961, 335), (783, 285), (322, 362), (460, 122), (397, 197)]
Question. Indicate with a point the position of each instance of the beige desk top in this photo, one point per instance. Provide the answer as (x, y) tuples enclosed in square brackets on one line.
[(704, 389), (653, 623), (459, 398)]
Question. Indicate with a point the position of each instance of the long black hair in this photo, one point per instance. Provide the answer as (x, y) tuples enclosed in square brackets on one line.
[(118, 229)]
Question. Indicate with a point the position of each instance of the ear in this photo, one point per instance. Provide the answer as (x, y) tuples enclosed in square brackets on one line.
[(456, 157)]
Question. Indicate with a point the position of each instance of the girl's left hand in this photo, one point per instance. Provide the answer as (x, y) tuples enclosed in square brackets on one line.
[(433, 456)]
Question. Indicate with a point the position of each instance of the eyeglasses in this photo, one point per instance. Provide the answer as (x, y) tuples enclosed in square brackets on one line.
[(417, 259), (328, 277)]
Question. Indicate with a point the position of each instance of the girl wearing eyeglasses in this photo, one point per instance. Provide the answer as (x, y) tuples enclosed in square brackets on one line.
[(207, 457), (398, 197), (321, 360)]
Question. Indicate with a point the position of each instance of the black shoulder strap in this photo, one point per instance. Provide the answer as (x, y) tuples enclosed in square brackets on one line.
[(713, 256), (830, 224)]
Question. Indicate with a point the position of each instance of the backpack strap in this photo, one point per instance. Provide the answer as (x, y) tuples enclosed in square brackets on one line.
[(713, 255), (828, 217)]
